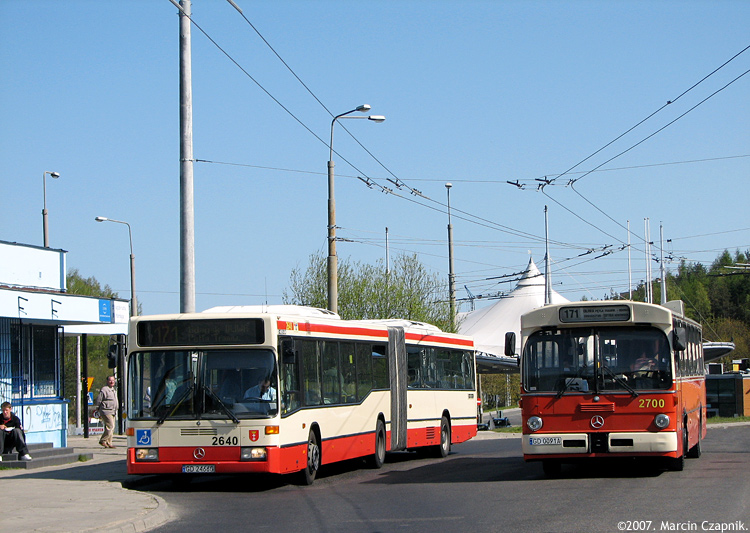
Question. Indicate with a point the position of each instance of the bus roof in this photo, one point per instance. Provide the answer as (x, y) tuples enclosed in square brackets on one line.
[(604, 312)]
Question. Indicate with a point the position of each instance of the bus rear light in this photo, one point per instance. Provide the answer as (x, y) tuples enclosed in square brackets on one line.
[(272, 430), (534, 423), (253, 454), (146, 454), (661, 421)]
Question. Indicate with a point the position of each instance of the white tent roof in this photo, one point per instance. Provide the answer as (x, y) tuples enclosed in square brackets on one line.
[(489, 324)]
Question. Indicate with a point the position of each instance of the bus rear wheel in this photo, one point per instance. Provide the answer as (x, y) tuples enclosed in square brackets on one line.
[(695, 451), (444, 448), (378, 458)]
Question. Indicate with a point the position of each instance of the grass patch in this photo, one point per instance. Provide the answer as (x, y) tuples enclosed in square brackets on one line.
[(512, 429), (727, 419), (83, 458)]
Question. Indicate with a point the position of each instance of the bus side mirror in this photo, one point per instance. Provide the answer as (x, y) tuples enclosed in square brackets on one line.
[(510, 343), (287, 352), (678, 339)]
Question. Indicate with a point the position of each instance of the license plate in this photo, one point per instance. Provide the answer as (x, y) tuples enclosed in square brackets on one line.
[(543, 441), (198, 469)]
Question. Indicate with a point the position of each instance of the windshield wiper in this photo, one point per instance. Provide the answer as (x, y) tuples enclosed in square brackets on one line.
[(620, 381), (226, 409), (184, 396)]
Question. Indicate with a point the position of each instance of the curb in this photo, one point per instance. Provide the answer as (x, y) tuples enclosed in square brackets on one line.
[(151, 519)]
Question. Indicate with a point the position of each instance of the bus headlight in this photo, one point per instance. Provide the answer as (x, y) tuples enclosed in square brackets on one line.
[(661, 420), (253, 454), (534, 423), (146, 454)]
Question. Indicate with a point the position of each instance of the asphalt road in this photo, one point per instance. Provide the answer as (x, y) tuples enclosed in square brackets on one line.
[(484, 485)]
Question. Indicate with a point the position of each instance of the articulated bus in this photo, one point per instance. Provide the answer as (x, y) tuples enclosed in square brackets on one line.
[(284, 389), (611, 379)]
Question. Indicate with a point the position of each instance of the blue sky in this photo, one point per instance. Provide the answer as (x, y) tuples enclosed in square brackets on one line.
[(475, 93)]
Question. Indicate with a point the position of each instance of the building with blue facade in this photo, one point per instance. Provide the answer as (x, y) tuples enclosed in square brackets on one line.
[(36, 312)]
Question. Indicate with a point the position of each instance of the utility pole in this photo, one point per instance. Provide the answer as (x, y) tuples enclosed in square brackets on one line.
[(451, 271), (187, 218), (547, 281), (662, 271)]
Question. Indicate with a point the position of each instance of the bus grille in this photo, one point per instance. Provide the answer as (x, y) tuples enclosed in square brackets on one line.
[(196, 432), (597, 408)]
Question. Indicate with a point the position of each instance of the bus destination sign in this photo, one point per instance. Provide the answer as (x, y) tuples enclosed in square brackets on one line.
[(209, 332), (593, 313)]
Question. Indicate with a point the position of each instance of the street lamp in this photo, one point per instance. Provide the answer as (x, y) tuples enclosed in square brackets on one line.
[(133, 299), (44, 211), (333, 290), (451, 273)]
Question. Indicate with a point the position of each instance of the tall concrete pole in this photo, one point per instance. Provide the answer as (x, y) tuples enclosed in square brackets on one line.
[(451, 271), (187, 221), (547, 262), (662, 271)]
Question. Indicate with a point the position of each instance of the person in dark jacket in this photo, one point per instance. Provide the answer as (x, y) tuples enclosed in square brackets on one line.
[(11, 433)]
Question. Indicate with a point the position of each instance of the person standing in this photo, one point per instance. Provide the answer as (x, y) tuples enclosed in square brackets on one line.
[(106, 404), (11, 433)]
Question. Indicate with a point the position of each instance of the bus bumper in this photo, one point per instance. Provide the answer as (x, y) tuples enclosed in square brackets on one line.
[(625, 443), (222, 461)]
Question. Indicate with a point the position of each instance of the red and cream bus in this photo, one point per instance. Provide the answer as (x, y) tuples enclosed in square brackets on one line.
[(611, 379), (285, 389)]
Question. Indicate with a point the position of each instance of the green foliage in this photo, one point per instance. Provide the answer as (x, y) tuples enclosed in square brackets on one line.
[(717, 297), (97, 346), (500, 390), (408, 291)]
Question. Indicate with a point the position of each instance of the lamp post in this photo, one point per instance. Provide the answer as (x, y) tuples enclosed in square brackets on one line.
[(451, 273), (133, 299), (44, 210), (333, 290)]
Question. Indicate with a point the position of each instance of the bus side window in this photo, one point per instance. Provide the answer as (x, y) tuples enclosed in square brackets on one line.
[(290, 393), (308, 353), (379, 367), (414, 367), (364, 370), (329, 362)]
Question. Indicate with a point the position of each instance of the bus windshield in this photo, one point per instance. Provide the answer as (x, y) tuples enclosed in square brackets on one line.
[(597, 360), (211, 384)]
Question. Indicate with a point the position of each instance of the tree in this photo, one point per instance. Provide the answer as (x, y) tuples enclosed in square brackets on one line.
[(97, 346), (366, 291), (500, 390)]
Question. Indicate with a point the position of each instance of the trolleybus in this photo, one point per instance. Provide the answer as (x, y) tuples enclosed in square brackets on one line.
[(285, 389), (611, 379)]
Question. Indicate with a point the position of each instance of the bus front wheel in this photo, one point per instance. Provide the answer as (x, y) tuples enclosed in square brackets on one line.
[(677, 464), (313, 459)]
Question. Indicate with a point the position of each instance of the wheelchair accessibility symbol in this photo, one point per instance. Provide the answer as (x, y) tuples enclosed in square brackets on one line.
[(143, 437)]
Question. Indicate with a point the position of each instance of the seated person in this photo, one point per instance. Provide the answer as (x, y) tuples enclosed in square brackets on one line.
[(11, 434), (263, 390), (645, 362)]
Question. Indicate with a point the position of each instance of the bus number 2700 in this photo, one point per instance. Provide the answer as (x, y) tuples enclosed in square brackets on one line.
[(645, 403), (225, 441)]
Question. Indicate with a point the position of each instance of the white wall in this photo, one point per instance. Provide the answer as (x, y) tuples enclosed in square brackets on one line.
[(32, 266)]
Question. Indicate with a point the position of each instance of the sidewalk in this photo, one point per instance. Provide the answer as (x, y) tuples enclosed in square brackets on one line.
[(85, 496)]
